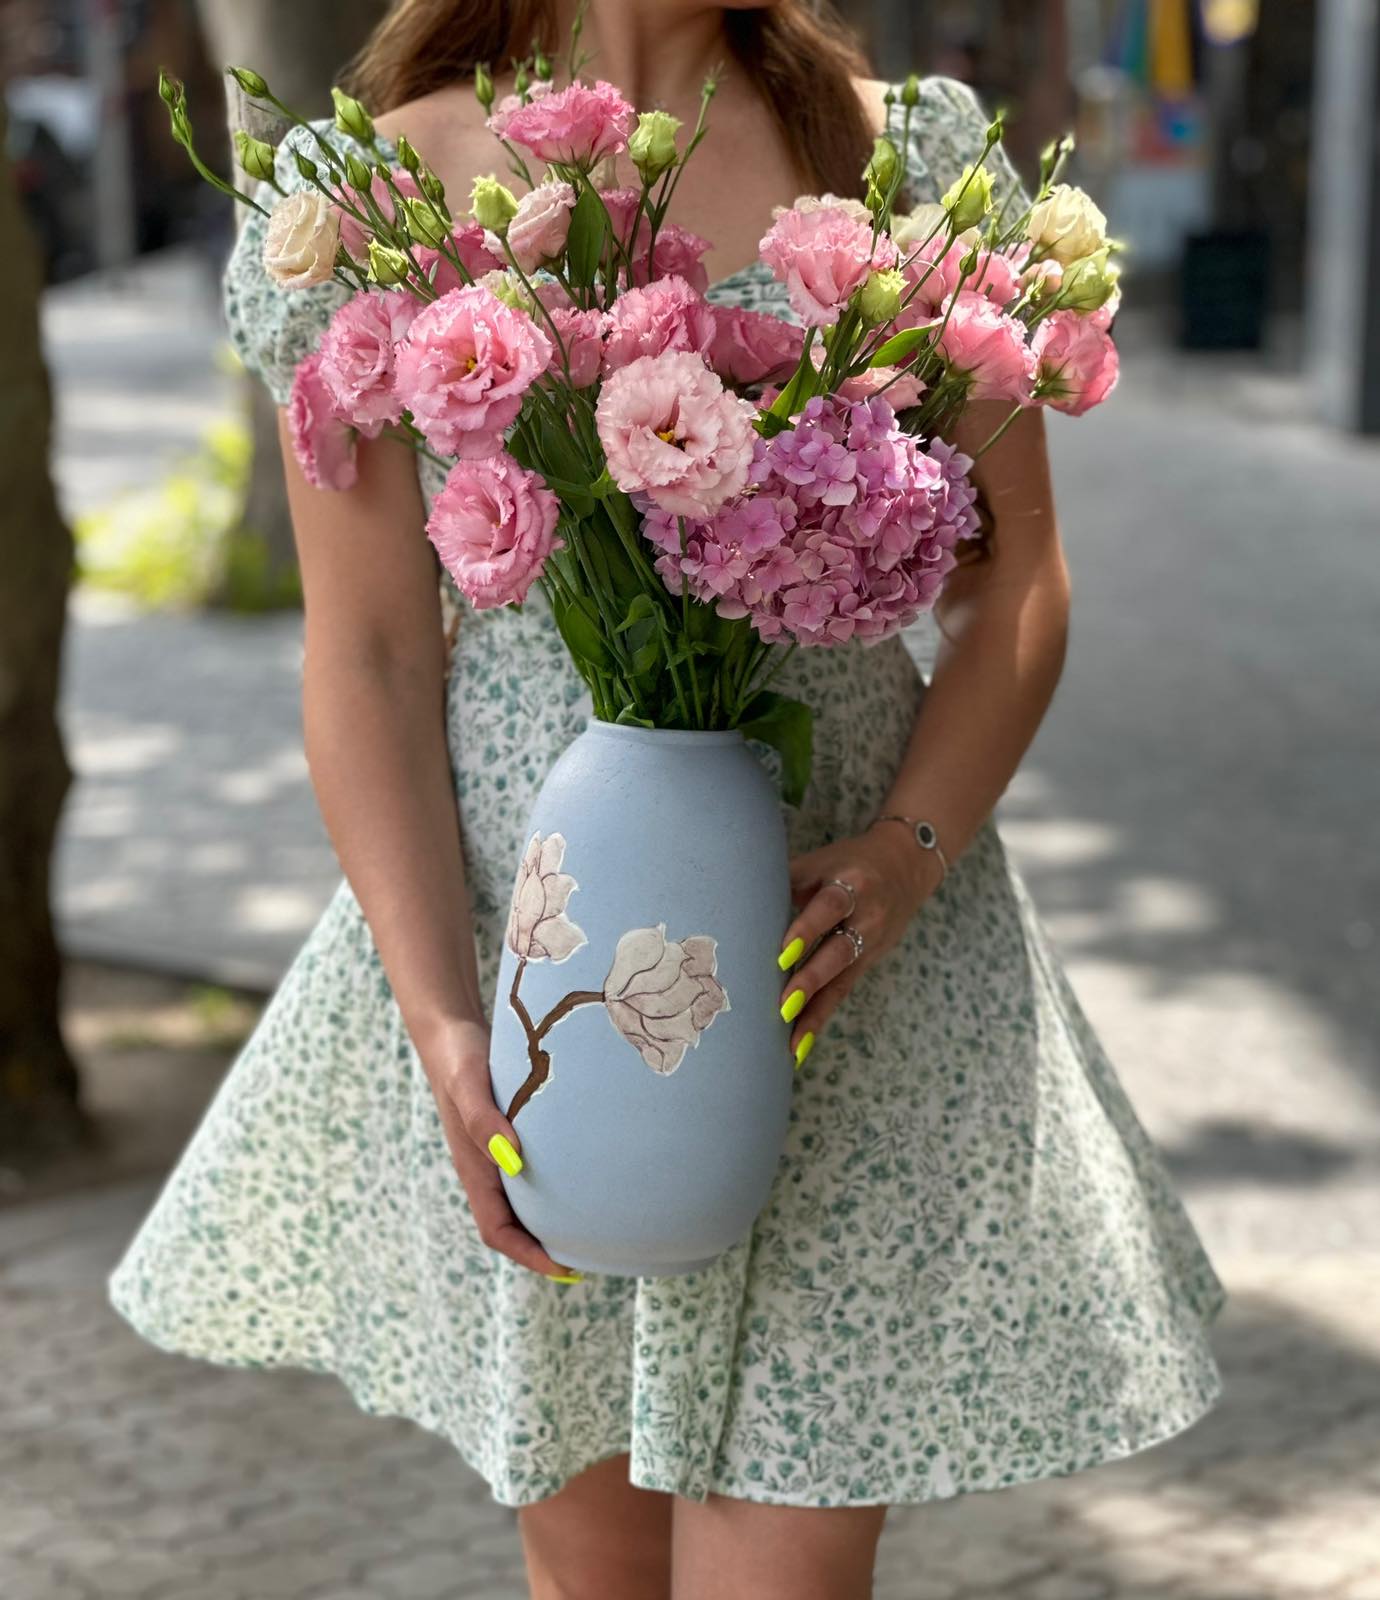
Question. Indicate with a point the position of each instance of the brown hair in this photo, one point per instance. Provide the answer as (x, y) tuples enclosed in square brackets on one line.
[(802, 59)]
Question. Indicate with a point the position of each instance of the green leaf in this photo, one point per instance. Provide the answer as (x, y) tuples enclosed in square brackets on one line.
[(584, 247), (628, 717), (641, 607), (788, 727), (902, 346), (578, 623)]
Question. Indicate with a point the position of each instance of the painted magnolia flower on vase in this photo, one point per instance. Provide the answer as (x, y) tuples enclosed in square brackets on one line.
[(660, 994)]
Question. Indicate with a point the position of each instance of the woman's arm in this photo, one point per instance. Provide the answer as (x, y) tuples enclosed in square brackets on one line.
[(374, 718), (1004, 621)]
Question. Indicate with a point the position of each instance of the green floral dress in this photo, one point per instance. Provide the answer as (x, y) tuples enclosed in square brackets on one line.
[(972, 1270)]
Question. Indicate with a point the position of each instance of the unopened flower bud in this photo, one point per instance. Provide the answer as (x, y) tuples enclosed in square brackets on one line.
[(431, 186), (407, 155), (357, 172), (351, 117), (1090, 283), (970, 199), (252, 84), (881, 170), (521, 82), (306, 167), (503, 288), (483, 87), (423, 224), (996, 128), (910, 93), (879, 299), (386, 265), (543, 68), (255, 157), (170, 91), (652, 145), (492, 204)]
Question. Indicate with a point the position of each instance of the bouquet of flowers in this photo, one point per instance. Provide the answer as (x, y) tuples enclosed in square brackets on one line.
[(696, 490)]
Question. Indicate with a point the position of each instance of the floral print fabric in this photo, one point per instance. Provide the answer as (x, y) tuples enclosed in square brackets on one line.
[(972, 1269)]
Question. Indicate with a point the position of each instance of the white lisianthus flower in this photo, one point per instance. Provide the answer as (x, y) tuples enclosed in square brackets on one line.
[(925, 222), (1067, 225), (301, 240)]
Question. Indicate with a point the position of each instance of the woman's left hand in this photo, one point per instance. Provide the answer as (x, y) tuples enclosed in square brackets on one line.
[(892, 878)]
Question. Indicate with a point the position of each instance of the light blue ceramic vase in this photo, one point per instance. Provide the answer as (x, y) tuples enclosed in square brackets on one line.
[(643, 1046)]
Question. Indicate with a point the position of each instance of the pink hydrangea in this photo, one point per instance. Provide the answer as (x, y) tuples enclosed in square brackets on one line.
[(672, 432), (751, 347), (847, 531), (678, 253), (493, 525), (322, 441), (664, 315), (538, 232), (989, 348), (582, 334), (355, 235), (573, 127), (357, 357), (1078, 364), (464, 368), (823, 254)]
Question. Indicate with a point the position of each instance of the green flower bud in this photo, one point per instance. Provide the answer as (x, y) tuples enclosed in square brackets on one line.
[(492, 205), (423, 224), (181, 126), (351, 117), (170, 91), (505, 289), (431, 186), (652, 145), (357, 172), (543, 68), (483, 87), (386, 265), (255, 157), (521, 82), (879, 299), (882, 168), (970, 199), (910, 93), (1090, 283), (252, 84), (306, 166), (407, 155), (996, 128)]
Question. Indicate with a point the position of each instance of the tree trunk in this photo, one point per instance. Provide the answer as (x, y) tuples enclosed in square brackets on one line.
[(39, 1110), (300, 49)]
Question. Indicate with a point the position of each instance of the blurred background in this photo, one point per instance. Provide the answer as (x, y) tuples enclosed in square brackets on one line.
[(1199, 819)]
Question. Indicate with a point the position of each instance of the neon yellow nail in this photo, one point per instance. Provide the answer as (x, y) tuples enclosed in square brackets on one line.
[(795, 1004), (791, 954), (566, 1277), (803, 1049), (504, 1154)]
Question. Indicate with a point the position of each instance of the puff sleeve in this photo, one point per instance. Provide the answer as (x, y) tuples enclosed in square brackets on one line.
[(271, 328), (948, 132)]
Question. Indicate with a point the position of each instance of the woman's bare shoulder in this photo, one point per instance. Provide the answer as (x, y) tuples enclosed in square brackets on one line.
[(446, 127), (872, 92)]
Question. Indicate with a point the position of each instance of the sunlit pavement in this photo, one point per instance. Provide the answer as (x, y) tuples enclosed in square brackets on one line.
[(1198, 824)]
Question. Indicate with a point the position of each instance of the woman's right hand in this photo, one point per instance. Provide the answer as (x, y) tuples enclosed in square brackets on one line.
[(457, 1067)]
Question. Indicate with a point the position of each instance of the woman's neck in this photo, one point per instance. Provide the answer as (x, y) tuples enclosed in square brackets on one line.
[(658, 52)]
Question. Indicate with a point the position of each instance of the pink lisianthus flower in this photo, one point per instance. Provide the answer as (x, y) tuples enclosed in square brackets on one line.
[(751, 347), (582, 334), (678, 253), (901, 390), (989, 348), (322, 441), (357, 358), (464, 368), (934, 275), (1078, 364), (504, 111), (469, 242), (664, 315), (493, 525), (538, 232), (573, 127), (355, 235), (823, 255), (672, 432)]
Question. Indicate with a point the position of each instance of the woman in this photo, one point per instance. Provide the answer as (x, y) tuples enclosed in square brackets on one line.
[(971, 1271)]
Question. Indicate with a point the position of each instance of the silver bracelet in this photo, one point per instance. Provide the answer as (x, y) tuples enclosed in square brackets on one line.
[(926, 837)]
